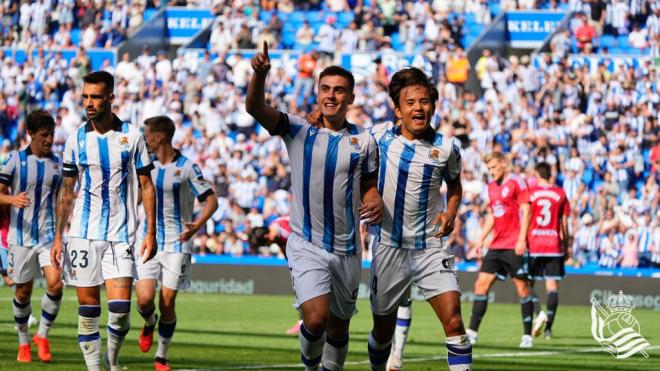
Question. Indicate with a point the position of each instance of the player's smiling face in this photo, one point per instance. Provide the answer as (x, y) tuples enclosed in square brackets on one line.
[(96, 100), (42, 141), (415, 110), (334, 97)]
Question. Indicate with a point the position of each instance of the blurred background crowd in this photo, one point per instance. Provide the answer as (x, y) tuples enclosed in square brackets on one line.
[(597, 127)]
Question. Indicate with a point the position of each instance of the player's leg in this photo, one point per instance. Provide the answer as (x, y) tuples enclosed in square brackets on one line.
[(554, 272), (436, 277), (390, 281), (145, 290), (312, 282), (526, 310), (23, 265), (81, 268), (50, 307), (176, 268), (403, 321), (345, 272), (117, 265), (490, 267), (536, 265)]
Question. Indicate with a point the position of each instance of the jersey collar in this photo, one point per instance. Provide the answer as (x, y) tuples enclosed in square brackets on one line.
[(28, 152), (428, 135), (116, 124)]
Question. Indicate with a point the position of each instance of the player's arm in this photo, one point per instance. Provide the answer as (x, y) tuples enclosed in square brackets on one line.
[(20, 200), (210, 206), (485, 231), (445, 221), (148, 192), (521, 244), (371, 210), (255, 102), (65, 199), (565, 238)]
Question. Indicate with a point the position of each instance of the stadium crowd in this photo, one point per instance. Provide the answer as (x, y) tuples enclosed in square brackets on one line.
[(597, 126)]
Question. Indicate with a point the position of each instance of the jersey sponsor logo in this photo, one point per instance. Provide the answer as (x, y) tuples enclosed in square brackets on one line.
[(615, 328), (498, 210), (505, 192)]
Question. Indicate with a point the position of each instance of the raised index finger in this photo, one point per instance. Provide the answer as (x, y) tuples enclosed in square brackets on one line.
[(266, 48)]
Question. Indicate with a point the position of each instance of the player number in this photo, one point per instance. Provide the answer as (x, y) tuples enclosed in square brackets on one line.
[(544, 219), (83, 259)]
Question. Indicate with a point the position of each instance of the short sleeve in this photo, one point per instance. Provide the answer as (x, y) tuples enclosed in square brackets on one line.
[(199, 186), (370, 164), (453, 166), (288, 125), (143, 164), (69, 156), (8, 169)]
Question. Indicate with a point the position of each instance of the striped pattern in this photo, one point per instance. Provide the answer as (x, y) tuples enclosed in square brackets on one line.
[(41, 179), (411, 174)]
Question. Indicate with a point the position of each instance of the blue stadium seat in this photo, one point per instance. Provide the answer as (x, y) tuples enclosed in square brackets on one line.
[(75, 36), (297, 16), (623, 42), (396, 41), (607, 40), (313, 16), (470, 18), (345, 17), (265, 16)]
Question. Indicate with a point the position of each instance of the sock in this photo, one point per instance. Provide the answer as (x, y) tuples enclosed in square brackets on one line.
[(478, 311), (165, 333), (21, 316), (119, 322), (378, 353), (89, 337), (403, 320), (537, 303), (149, 319), (334, 353), (459, 353), (311, 347), (553, 303), (527, 309), (50, 306)]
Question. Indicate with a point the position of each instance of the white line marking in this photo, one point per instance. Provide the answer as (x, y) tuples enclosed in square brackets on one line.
[(421, 359)]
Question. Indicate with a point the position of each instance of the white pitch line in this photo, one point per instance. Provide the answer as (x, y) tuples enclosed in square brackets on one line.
[(416, 360)]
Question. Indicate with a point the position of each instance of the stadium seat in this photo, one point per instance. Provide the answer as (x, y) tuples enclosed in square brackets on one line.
[(265, 16), (75, 36), (345, 17), (607, 40), (623, 42), (297, 17), (313, 16)]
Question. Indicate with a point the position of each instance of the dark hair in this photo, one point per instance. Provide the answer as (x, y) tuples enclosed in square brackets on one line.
[(40, 119), (544, 170), (101, 77), (339, 71), (161, 124), (410, 76), (258, 238)]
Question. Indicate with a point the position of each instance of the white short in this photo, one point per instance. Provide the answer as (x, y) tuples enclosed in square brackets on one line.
[(316, 272), (393, 270), (172, 269), (26, 261), (88, 263)]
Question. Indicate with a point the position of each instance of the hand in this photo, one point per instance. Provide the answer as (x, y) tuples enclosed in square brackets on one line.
[(56, 253), (479, 245), (188, 232), (444, 225), (371, 212), (261, 61), (520, 248), (315, 118), (148, 249), (20, 200)]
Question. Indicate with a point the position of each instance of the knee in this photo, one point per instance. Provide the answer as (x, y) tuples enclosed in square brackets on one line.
[(166, 304), (145, 302), (454, 325), (523, 291), (481, 287), (22, 296), (383, 330), (316, 322), (55, 287)]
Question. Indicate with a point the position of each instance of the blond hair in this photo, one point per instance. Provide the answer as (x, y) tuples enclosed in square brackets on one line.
[(499, 156)]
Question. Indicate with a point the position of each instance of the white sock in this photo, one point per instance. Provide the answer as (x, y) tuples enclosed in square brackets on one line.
[(311, 347), (119, 322), (334, 353), (50, 306), (21, 316), (403, 320), (459, 353), (378, 353), (165, 333), (89, 337)]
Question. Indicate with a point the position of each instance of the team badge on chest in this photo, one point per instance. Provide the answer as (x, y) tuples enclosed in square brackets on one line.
[(355, 143)]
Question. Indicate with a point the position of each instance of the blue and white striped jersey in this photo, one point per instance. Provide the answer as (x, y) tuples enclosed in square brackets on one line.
[(327, 168), (177, 185), (23, 171), (409, 180), (107, 166)]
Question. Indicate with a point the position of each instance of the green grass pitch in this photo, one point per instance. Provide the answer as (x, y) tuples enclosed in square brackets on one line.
[(222, 332)]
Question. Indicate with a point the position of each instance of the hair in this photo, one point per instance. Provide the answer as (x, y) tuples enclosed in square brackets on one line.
[(40, 119), (258, 238), (101, 77), (339, 71), (410, 76), (544, 170), (494, 156), (161, 124)]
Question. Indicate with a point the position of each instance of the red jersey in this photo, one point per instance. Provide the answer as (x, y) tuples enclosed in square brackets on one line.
[(4, 226), (283, 228), (505, 201), (549, 204)]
